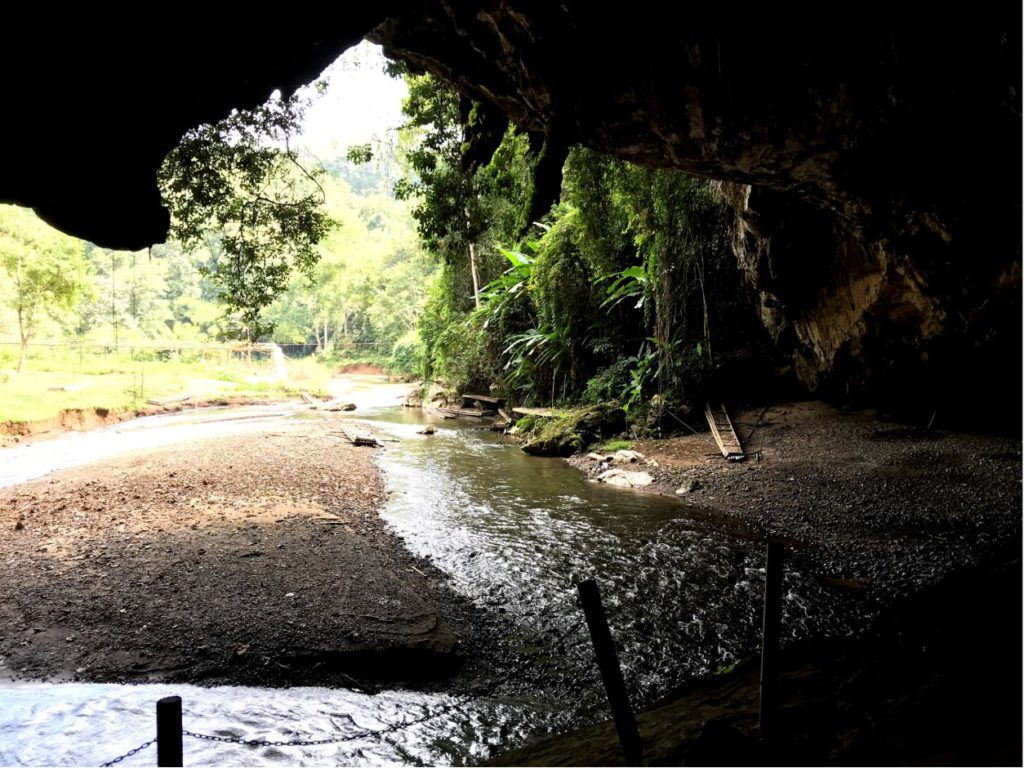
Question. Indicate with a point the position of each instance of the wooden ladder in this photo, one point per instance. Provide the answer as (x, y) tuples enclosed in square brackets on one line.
[(724, 433)]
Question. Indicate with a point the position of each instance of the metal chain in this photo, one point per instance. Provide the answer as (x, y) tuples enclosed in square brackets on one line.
[(367, 732), (262, 743), (128, 754)]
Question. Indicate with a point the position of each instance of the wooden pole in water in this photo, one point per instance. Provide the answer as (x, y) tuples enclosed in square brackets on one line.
[(168, 732), (770, 631), (611, 673)]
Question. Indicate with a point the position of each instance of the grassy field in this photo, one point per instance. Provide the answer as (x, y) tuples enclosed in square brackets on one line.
[(57, 380)]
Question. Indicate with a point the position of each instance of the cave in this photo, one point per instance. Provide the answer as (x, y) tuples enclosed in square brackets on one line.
[(871, 162)]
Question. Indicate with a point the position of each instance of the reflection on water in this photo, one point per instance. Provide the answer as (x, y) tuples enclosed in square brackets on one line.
[(84, 724), (515, 533)]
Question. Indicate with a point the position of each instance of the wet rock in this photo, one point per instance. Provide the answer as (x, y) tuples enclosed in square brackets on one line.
[(427, 430), (625, 478), (626, 457), (688, 486), (567, 434), (334, 405)]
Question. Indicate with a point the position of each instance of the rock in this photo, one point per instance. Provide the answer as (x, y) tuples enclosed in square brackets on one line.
[(625, 478), (414, 399), (334, 405), (688, 486), (626, 457), (568, 433), (598, 457), (427, 430)]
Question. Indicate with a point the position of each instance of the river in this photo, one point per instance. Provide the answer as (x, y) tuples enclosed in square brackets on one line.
[(514, 533)]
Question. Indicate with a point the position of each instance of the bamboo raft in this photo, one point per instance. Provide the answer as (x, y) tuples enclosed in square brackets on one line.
[(356, 435)]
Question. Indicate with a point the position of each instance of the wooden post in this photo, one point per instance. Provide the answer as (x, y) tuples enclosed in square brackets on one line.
[(611, 674), (168, 732), (770, 638)]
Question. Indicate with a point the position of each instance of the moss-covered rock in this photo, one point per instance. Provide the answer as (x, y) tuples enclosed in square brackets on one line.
[(569, 433)]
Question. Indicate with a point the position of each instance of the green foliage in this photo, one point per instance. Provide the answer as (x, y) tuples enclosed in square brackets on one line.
[(45, 269), (616, 300), (369, 285), (610, 383), (360, 154), (408, 355), (631, 283), (239, 180), (610, 446)]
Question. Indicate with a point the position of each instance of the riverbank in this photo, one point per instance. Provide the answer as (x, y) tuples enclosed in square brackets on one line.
[(877, 506), (261, 560), (924, 524), (64, 393), (85, 419)]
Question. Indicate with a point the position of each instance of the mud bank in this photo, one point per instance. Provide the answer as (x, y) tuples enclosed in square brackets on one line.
[(83, 419), (256, 559)]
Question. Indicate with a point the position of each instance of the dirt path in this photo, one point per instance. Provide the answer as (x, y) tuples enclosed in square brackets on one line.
[(255, 559)]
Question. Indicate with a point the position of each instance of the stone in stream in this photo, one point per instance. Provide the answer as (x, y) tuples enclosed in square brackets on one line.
[(334, 405), (427, 430), (626, 457), (688, 486), (625, 478)]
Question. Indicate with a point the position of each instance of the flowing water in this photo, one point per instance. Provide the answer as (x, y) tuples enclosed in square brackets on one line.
[(514, 533)]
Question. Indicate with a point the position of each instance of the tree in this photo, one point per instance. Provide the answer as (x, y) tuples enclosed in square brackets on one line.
[(46, 271), (241, 180)]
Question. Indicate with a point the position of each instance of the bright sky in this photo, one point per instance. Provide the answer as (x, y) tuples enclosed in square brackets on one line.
[(361, 103)]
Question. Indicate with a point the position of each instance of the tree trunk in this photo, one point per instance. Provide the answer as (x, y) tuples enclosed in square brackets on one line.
[(24, 337)]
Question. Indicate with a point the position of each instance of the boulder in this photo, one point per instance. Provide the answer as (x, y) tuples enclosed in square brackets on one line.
[(626, 457), (567, 434), (625, 478), (335, 405), (689, 486)]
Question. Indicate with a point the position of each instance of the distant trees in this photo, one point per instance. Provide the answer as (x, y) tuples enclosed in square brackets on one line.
[(46, 271), (370, 282), (363, 295)]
